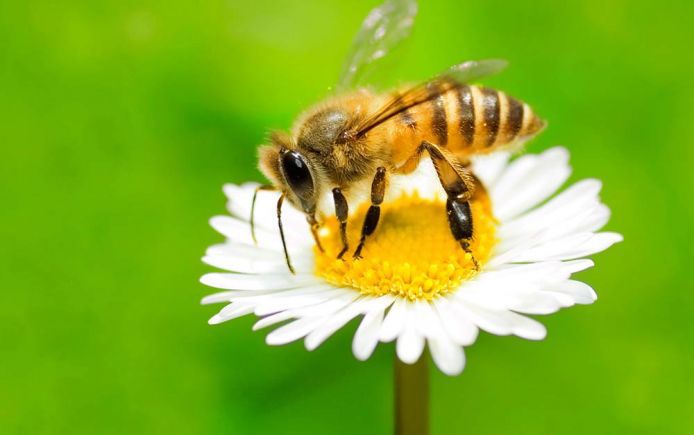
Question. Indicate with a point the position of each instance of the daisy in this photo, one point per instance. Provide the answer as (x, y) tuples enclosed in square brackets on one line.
[(414, 285)]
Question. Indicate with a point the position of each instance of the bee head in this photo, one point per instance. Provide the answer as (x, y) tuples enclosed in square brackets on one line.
[(290, 171)]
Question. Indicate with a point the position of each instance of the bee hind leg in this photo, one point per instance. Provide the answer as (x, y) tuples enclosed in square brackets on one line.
[(373, 214), (460, 222), (458, 183)]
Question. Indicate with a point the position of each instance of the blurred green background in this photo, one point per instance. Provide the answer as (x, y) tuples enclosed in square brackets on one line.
[(121, 120)]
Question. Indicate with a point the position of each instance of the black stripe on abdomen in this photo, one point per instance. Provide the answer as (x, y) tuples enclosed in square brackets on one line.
[(514, 118), (466, 113), (491, 113), (439, 124)]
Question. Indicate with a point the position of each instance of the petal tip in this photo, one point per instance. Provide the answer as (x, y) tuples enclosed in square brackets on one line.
[(215, 320), (271, 340), (618, 238)]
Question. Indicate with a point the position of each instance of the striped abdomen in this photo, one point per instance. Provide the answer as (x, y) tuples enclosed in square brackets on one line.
[(468, 119)]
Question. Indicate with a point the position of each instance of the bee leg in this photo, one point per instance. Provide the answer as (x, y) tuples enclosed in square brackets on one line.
[(458, 183), (311, 218), (255, 196), (341, 211), (279, 225), (460, 222), (378, 189)]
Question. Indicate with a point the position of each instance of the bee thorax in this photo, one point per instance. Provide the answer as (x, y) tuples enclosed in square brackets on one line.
[(321, 130)]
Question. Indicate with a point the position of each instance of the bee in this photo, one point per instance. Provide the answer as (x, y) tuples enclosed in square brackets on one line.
[(341, 145)]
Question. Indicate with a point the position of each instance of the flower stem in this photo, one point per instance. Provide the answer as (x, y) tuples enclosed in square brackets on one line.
[(411, 397)]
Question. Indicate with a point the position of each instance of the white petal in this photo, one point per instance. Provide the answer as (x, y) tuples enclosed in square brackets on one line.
[(566, 248), (514, 174), (518, 276), (276, 303), (239, 231), (489, 167), (241, 199), (256, 296), (394, 321), (249, 251), (461, 330), (501, 322), (426, 320), (231, 311), (520, 253), (448, 356), (236, 281), (549, 172), (554, 226), (330, 306), (332, 323), (292, 331), (581, 193), (598, 243), (272, 319), (578, 265), (409, 346), (538, 302), (579, 291), (218, 297), (573, 201), (520, 291), (323, 309), (366, 337), (272, 264)]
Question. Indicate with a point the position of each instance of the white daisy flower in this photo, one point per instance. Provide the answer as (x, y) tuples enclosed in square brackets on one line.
[(415, 285)]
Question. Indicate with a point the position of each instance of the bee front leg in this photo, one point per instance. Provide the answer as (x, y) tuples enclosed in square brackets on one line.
[(378, 190), (341, 211), (458, 183), (311, 219), (280, 201)]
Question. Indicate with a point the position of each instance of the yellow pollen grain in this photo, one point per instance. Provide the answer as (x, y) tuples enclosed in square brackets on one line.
[(412, 254)]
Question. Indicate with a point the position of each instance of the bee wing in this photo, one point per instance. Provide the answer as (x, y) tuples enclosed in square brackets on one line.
[(452, 77), (384, 27), (475, 69)]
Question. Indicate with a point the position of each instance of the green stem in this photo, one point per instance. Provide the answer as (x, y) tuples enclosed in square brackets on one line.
[(411, 397)]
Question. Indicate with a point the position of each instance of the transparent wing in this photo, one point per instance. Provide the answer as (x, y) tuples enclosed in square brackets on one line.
[(383, 28), (447, 80), (475, 69)]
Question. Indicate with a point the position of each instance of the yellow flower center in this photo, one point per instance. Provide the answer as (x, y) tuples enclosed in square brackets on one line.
[(412, 253)]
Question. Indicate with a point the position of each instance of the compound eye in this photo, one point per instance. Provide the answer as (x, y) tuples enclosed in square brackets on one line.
[(297, 174)]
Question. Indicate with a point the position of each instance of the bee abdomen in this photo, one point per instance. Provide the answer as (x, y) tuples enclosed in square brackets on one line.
[(484, 119), (466, 120)]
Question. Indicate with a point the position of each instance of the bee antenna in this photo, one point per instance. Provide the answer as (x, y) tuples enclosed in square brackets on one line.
[(279, 224), (255, 196)]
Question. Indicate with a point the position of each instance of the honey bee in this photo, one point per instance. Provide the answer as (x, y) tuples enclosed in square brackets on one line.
[(361, 136)]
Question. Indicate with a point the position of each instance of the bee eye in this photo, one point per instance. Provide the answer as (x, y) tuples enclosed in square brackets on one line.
[(297, 174)]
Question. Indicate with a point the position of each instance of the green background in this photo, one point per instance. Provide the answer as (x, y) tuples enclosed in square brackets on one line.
[(121, 120)]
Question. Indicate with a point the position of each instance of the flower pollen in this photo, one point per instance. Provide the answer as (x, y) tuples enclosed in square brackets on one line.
[(412, 254)]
